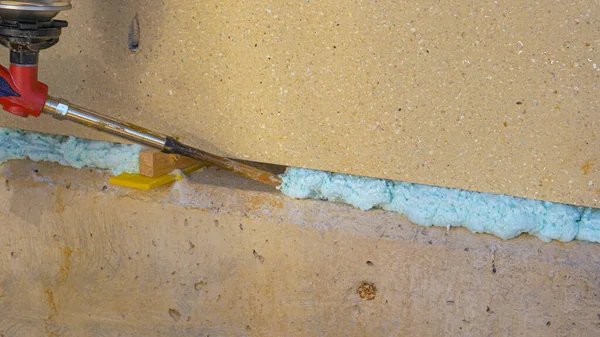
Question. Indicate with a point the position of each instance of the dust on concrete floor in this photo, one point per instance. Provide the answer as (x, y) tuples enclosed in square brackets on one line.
[(223, 256)]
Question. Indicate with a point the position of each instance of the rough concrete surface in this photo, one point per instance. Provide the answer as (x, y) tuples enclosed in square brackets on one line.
[(492, 96), (218, 255)]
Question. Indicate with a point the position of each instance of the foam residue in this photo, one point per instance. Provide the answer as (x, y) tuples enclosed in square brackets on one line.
[(504, 216), (69, 151)]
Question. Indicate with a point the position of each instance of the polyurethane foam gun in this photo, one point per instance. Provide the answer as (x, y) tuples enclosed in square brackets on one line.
[(26, 28)]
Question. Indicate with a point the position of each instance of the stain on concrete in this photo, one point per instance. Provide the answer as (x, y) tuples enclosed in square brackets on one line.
[(258, 256), (50, 300), (587, 167), (191, 247), (199, 285), (257, 202), (65, 267), (133, 38), (367, 291), (175, 314), (60, 205)]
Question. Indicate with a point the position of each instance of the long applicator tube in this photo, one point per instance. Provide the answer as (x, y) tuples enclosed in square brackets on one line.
[(62, 110)]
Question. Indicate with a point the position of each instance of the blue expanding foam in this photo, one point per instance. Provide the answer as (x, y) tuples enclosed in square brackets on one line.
[(69, 151), (504, 216)]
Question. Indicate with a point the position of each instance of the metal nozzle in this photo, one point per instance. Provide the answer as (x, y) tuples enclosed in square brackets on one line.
[(62, 110)]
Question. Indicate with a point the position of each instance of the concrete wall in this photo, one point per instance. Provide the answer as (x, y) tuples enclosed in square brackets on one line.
[(221, 256)]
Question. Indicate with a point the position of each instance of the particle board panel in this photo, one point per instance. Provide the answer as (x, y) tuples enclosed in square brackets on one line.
[(493, 97)]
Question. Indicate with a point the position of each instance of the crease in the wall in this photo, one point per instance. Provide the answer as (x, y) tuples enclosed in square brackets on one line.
[(504, 216)]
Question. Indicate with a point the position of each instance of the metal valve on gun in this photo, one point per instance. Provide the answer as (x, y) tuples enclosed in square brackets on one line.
[(26, 28)]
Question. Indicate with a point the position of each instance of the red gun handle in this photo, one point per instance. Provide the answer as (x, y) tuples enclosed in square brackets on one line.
[(20, 91)]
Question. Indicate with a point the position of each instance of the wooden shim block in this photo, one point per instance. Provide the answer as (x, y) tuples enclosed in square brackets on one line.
[(154, 163)]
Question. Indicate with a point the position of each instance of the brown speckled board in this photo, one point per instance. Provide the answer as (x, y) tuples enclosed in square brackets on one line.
[(494, 97)]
